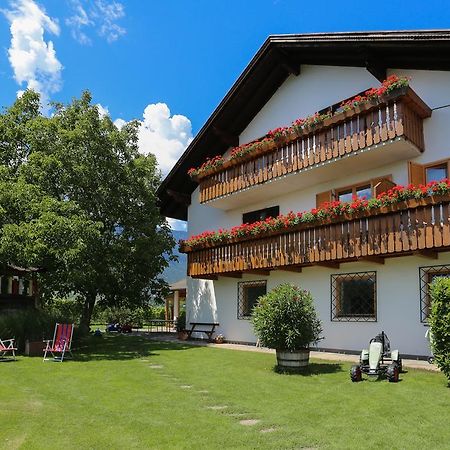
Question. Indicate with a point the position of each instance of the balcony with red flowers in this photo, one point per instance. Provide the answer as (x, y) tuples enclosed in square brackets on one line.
[(379, 127), (412, 220)]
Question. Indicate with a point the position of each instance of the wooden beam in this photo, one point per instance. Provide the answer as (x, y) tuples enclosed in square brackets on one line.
[(258, 272), (372, 258), (430, 254), (286, 62), (205, 277), (377, 70), (297, 269), (179, 197), (329, 264), (229, 139), (232, 274)]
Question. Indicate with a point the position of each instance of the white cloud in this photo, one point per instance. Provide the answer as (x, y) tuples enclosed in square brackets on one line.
[(177, 225), (32, 58), (78, 21), (99, 14), (119, 123), (102, 110), (166, 136), (163, 135)]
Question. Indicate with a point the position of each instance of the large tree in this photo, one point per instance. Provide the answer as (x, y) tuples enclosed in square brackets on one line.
[(77, 198)]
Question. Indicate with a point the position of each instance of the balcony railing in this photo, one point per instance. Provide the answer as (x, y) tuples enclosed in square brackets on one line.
[(398, 117), (407, 228)]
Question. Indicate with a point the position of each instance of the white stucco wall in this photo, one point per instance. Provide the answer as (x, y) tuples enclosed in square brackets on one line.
[(398, 280)]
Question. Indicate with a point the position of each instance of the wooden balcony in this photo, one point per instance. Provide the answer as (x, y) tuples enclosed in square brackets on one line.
[(378, 134), (416, 227)]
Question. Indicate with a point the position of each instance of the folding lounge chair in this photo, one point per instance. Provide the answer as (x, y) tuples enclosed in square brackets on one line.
[(62, 341), (5, 348)]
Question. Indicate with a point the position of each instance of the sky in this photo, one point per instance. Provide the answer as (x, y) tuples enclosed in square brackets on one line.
[(168, 63)]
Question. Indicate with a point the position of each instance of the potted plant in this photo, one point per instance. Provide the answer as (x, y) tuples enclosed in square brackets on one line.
[(219, 339), (285, 319), (181, 326)]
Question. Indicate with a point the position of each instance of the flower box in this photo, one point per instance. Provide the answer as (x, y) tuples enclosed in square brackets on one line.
[(344, 216)]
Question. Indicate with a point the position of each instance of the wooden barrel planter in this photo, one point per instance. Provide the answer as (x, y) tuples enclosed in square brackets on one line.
[(292, 360)]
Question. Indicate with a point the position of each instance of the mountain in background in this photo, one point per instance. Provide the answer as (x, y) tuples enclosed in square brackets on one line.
[(177, 269)]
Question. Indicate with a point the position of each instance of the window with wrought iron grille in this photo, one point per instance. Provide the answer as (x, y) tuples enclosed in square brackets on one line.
[(248, 295), (354, 297), (427, 275)]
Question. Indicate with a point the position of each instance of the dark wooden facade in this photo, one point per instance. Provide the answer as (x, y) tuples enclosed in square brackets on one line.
[(18, 288)]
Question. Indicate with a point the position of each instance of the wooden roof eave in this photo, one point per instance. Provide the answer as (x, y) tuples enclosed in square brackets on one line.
[(274, 62)]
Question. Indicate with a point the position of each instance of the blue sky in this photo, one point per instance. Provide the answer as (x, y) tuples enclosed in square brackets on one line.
[(165, 57)]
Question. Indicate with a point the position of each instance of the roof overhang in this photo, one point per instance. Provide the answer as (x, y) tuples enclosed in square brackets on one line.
[(279, 57)]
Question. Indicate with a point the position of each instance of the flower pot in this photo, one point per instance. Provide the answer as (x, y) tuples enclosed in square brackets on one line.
[(395, 93), (291, 360), (182, 335)]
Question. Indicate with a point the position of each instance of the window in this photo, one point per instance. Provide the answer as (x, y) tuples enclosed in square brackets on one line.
[(436, 172), (260, 214), (353, 297), (424, 173), (248, 295), (361, 191), (427, 275)]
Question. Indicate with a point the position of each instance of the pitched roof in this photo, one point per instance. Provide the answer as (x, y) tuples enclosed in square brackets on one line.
[(279, 57)]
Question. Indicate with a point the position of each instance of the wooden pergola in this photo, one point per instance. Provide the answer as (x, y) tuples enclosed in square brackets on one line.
[(176, 296)]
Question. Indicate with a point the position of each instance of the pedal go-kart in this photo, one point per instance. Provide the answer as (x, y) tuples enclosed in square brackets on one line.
[(378, 362)]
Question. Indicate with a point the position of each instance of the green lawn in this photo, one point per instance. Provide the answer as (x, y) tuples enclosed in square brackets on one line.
[(126, 392)]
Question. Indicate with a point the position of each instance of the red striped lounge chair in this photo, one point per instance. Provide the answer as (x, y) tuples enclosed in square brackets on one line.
[(62, 341), (7, 346)]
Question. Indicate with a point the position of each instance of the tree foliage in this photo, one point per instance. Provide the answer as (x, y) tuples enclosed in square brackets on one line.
[(78, 199), (439, 321)]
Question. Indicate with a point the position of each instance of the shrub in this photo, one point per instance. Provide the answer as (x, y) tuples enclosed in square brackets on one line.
[(285, 319), (181, 321), (135, 316), (32, 325), (70, 309), (440, 323), (158, 312)]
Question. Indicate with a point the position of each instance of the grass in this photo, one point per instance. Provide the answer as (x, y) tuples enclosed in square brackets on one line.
[(128, 392)]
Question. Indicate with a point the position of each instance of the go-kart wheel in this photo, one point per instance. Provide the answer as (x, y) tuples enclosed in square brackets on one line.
[(355, 374), (400, 365), (392, 373)]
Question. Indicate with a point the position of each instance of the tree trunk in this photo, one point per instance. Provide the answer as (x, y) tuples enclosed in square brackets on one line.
[(88, 308)]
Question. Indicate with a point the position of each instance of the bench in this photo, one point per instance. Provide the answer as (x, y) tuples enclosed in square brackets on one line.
[(206, 327)]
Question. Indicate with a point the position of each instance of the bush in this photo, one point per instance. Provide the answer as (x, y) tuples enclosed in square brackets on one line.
[(70, 309), (439, 321), (136, 316), (158, 312), (181, 321), (32, 325), (285, 319)]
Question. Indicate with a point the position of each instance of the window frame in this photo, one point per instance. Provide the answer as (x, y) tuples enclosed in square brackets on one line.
[(436, 164), (355, 186), (424, 283), (241, 307), (335, 280), (353, 189), (261, 211)]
